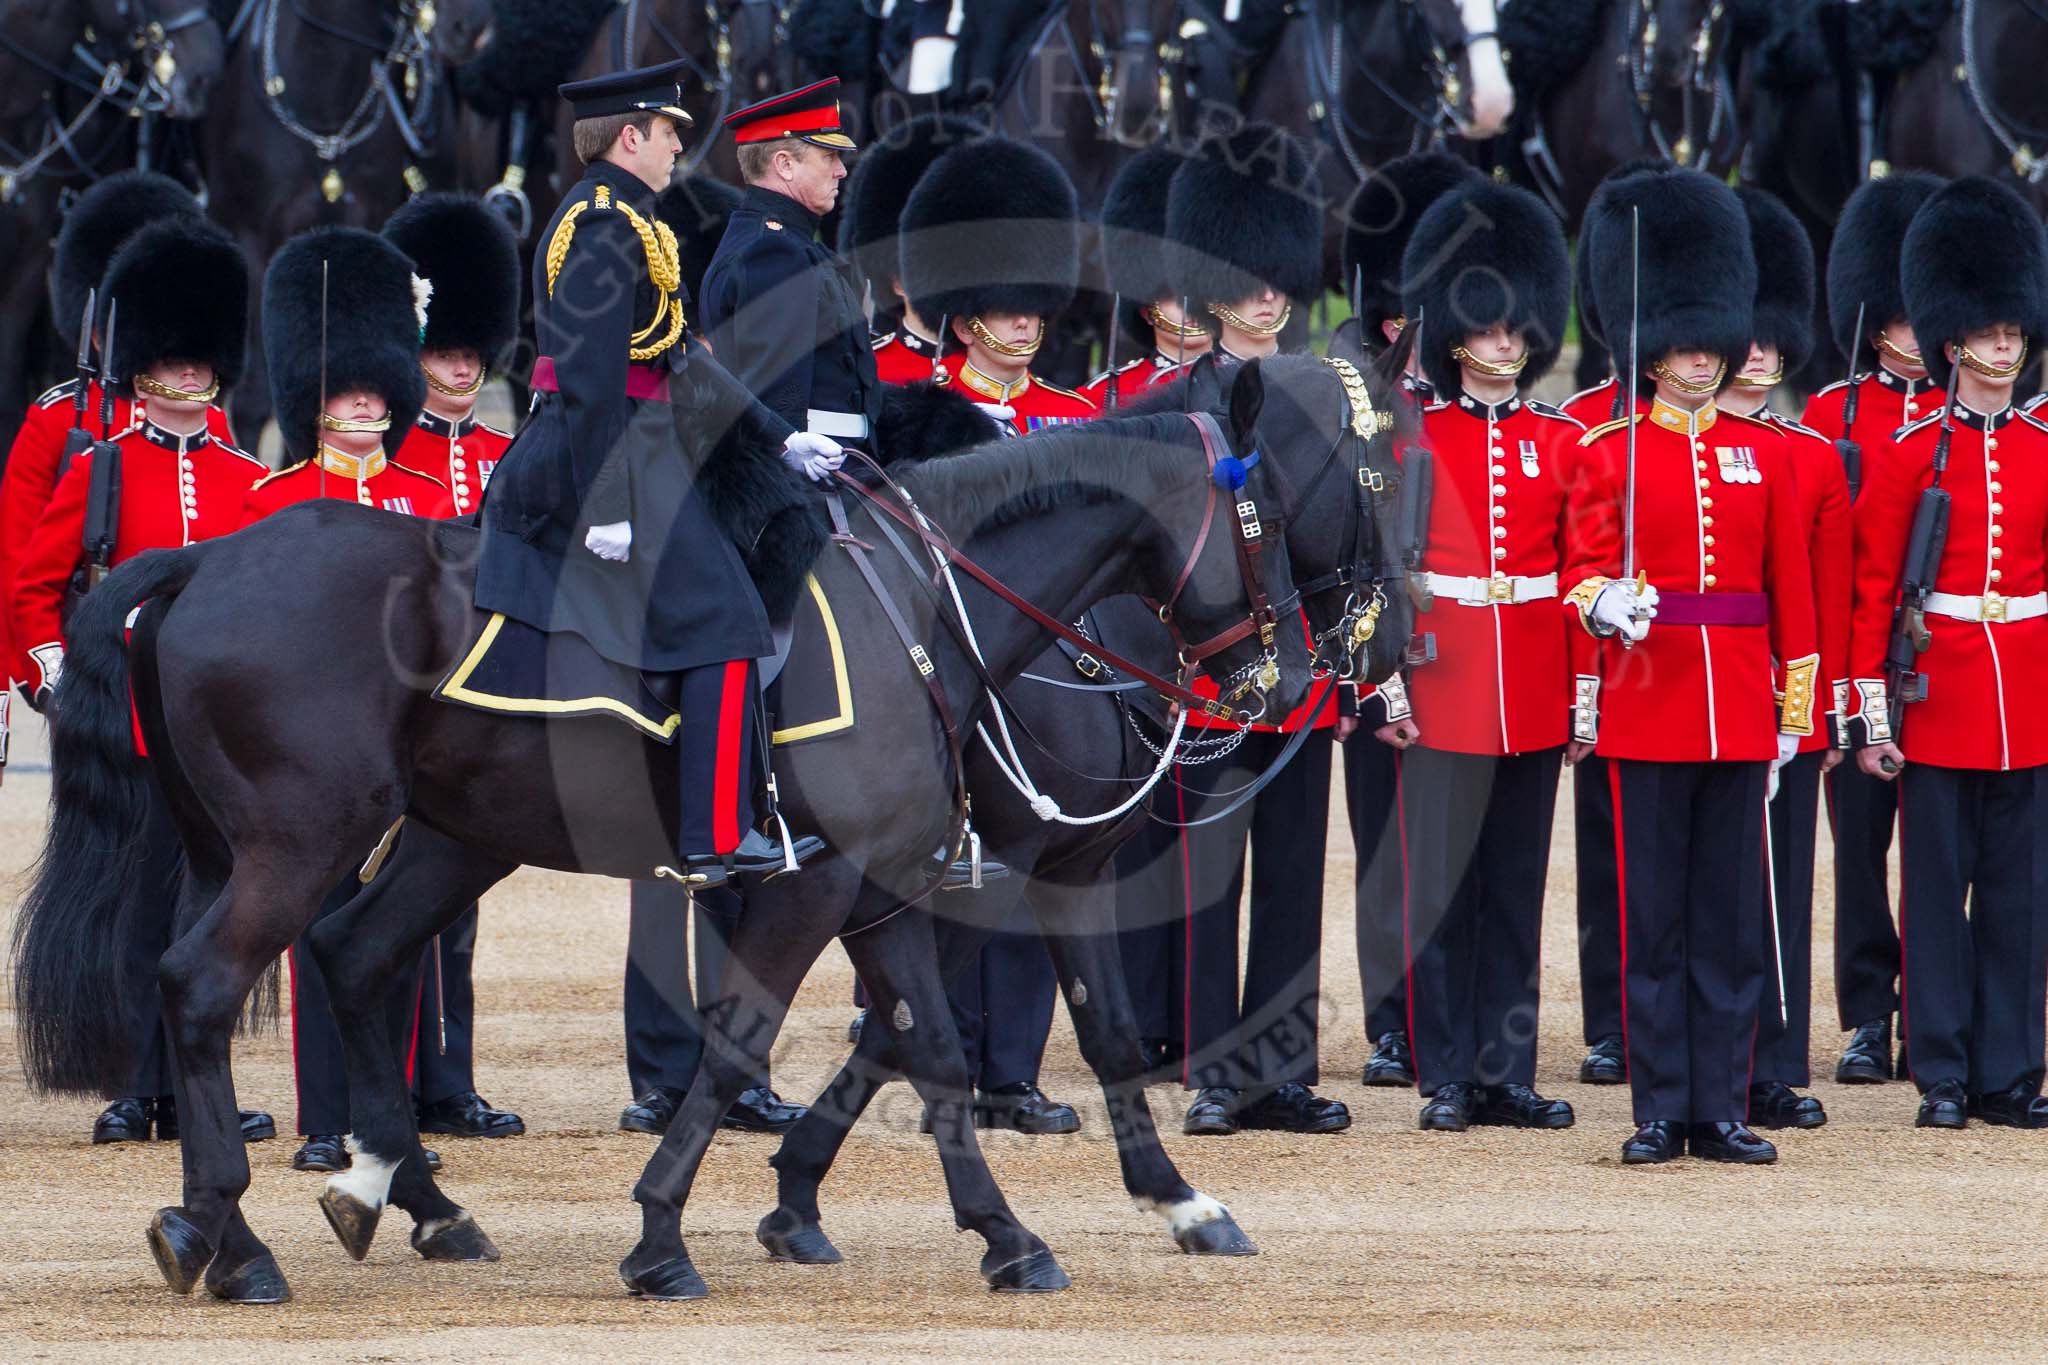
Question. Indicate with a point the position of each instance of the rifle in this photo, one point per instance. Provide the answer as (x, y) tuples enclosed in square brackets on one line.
[(1845, 444), (103, 492), (1903, 682), (78, 440)]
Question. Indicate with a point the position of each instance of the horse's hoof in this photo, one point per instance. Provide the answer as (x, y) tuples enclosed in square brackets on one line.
[(1035, 1273), (453, 1239), (182, 1252), (673, 1279), (256, 1280), (1217, 1237), (805, 1244), (353, 1221)]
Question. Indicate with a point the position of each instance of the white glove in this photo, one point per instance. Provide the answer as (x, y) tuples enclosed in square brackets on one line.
[(1788, 749), (813, 456), (613, 541), (999, 412), (1625, 610)]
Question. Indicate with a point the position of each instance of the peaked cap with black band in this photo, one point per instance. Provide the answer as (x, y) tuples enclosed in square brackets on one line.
[(1378, 222), (1136, 254), (1863, 259), (1698, 271), (183, 286), (992, 227), (1784, 278), (93, 230), (469, 254), (1485, 254), (1974, 256), (373, 332), (871, 208), (641, 90), (1245, 213), (1589, 318)]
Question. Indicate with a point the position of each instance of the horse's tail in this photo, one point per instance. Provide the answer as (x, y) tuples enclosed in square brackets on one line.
[(98, 892)]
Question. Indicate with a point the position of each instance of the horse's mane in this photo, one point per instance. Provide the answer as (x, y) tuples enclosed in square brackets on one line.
[(1005, 480)]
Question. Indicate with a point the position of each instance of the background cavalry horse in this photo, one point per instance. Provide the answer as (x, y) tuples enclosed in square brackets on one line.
[(282, 770)]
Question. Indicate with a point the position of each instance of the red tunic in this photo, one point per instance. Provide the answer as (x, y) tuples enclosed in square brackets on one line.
[(174, 490), (1885, 403), (1716, 514), (1980, 672), (389, 485), (1501, 682), (32, 474), (1036, 403), (1824, 512), (1132, 380), (1595, 407), (461, 454), (903, 357)]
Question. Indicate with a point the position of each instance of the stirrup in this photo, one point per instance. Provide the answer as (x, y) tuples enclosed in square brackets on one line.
[(692, 881)]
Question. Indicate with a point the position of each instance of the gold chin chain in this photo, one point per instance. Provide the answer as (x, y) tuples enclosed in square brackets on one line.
[(449, 390), (1884, 345), (1989, 370), (145, 385), (1004, 348), (1761, 381), (378, 424), (1184, 331), (1487, 367), (1686, 386), (1229, 318)]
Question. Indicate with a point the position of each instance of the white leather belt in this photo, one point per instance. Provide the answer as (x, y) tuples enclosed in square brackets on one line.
[(1990, 607), (840, 426), (1501, 590)]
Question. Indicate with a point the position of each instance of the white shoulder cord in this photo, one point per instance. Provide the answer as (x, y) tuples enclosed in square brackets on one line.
[(1043, 806)]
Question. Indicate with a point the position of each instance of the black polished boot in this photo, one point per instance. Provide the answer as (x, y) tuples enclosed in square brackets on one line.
[(1732, 1143), (1944, 1106), (1606, 1062), (122, 1121), (1777, 1105), (466, 1115), (1026, 1109), (1294, 1108), (2019, 1107), (1392, 1062), (1449, 1110), (1213, 1114), (761, 1110), (1519, 1106), (757, 856), (1867, 1060), (1655, 1143), (652, 1112)]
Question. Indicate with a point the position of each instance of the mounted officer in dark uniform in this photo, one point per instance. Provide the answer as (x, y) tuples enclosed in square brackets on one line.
[(593, 523)]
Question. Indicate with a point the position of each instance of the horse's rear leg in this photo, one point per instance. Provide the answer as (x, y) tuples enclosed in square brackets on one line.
[(1079, 925), (784, 927), (368, 951), (206, 975), (898, 961), (792, 1232)]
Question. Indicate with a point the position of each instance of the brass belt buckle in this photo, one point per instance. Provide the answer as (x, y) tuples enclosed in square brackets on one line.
[(1089, 666), (1994, 607), (1500, 589)]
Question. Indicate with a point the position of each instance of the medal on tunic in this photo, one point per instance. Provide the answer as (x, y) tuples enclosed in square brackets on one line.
[(1527, 450), (1738, 464)]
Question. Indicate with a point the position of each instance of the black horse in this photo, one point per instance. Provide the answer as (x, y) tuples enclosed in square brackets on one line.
[(284, 761), (331, 112), (1977, 105), (1070, 740)]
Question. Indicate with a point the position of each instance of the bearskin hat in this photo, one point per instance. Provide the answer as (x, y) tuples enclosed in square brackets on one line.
[(697, 210), (373, 331), (992, 227), (1589, 320), (183, 286), (1135, 250), (1698, 271), (94, 229), (1975, 255), (469, 253), (1378, 221), (1784, 277), (888, 170), (1863, 260), (1484, 254), (1245, 211)]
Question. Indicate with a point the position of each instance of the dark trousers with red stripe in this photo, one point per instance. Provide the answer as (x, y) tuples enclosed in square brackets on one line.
[(1002, 1004), (1599, 900), (1782, 1047), (1690, 842), (1975, 984), (664, 1026), (1475, 840), (1863, 810), (715, 748), (1266, 1036), (1375, 839)]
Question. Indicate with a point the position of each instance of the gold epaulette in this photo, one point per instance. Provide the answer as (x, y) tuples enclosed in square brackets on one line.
[(1616, 425), (1054, 388), (273, 477)]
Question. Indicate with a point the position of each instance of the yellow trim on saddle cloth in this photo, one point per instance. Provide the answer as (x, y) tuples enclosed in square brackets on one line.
[(455, 688), (844, 719)]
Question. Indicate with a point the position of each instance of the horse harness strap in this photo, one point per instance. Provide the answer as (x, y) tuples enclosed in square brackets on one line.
[(1248, 538)]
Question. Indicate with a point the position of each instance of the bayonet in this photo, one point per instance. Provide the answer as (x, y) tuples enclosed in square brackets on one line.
[(1845, 444), (78, 440), (1116, 308), (107, 372), (319, 421)]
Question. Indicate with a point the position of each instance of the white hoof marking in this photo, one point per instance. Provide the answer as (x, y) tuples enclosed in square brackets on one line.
[(1187, 1213), (434, 1227), (367, 1179)]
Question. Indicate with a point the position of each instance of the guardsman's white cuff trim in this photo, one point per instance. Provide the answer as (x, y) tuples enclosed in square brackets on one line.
[(49, 661), (1393, 694), (1873, 711), (1586, 708), (1842, 711)]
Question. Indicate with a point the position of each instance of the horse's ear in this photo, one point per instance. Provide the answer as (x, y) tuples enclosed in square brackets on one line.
[(1393, 361), (1247, 396)]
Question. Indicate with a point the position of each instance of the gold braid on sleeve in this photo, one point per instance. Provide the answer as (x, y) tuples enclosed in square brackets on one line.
[(664, 267), (1582, 597), (1795, 710)]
